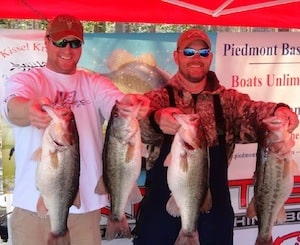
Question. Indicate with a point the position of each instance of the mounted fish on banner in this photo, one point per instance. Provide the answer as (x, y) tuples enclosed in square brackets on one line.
[(135, 74), (122, 161), (188, 177), (57, 176), (274, 178)]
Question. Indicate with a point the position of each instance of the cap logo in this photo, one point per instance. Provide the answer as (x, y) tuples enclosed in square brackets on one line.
[(69, 24), (68, 21)]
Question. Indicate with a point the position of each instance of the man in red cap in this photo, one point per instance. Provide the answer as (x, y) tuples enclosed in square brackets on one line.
[(64, 25), (88, 96), (227, 117)]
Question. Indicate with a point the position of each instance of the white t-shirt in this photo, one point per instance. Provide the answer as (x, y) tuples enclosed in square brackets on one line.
[(91, 97)]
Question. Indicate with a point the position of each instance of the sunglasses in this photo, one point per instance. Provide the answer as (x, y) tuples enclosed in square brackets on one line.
[(190, 52), (76, 43)]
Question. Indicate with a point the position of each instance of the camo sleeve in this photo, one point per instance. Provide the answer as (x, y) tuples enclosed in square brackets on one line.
[(244, 116), (151, 133)]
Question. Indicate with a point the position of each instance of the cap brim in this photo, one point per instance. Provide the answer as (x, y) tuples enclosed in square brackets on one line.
[(60, 35)]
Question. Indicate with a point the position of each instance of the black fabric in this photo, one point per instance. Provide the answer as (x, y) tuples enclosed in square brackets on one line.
[(220, 121), (155, 226), (153, 124), (171, 96), (216, 227)]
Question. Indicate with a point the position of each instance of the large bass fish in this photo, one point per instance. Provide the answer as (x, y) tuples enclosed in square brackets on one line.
[(274, 178), (122, 160), (57, 176), (188, 177)]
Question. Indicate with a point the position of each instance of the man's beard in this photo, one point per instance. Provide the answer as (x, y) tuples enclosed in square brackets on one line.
[(192, 79)]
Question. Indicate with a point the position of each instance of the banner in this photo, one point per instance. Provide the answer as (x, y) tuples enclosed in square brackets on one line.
[(20, 51), (263, 65)]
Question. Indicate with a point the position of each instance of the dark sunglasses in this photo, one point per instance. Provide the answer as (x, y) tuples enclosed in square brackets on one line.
[(76, 43), (190, 52)]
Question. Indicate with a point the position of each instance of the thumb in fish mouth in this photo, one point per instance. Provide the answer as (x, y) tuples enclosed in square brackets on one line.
[(138, 99), (282, 148)]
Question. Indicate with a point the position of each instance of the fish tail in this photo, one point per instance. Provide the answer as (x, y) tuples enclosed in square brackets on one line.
[(187, 238), (263, 242), (59, 239), (117, 228)]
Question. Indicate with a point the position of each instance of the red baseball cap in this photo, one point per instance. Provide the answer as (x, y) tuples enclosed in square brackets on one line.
[(64, 25), (191, 35)]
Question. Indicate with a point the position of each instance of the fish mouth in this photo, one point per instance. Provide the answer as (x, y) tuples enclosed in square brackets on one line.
[(188, 146), (61, 143), (57, 143)]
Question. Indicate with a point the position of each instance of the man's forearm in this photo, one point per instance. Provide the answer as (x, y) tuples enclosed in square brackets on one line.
[(18, 111)]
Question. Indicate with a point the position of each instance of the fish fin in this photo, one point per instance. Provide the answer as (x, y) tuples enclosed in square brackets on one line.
[(37, 155), (135, 195), (41, 208), (77, 202), (260, 242), (168, 160), (100, 187), (184, 163), (54, 159), (172, 207), (130, 153), (59, 239), (251, 211), (144, 150), (146, 58), (191, 238), (117, 227), (281, 216), (207, 203), (119, 57)]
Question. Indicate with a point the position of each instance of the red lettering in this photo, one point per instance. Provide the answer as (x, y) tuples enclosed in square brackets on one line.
[(243, 185)]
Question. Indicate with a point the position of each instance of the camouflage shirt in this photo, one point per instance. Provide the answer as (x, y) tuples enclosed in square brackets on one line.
[(243, 116)]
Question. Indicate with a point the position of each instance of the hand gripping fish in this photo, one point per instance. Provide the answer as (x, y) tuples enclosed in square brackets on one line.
[(57, 176), (274, 178), (188, 177), (122, 155)]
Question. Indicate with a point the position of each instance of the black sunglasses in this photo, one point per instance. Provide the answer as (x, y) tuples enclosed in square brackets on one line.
[(76, 43), (190, 52)]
